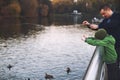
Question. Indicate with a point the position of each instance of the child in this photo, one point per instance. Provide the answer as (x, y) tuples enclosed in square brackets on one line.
[(101, 38)]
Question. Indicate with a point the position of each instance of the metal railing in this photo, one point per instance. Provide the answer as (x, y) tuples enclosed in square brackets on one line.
[(97, 69)]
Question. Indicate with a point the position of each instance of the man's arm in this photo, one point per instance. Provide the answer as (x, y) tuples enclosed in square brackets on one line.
[(92, 26)]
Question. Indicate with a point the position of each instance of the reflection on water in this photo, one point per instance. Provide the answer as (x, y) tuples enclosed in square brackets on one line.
[(12, 27), (9, 27), (33, 52), (67, 20)]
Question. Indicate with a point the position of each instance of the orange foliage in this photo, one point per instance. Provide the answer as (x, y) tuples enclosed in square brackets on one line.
[(15, 8), (12, 9), (62, 1)]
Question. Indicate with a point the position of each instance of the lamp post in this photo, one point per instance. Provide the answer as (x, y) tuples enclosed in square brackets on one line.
[(75, 12), (75, 1)]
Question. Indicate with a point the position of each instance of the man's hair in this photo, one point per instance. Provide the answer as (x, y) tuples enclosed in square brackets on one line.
[(105, 7)]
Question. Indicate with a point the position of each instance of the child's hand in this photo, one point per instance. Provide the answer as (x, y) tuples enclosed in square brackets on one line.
[(84, 37)]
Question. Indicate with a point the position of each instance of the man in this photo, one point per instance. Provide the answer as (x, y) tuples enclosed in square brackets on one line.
[(111, 24)]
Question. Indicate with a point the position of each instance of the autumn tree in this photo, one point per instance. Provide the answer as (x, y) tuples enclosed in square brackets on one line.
[(29, 8)]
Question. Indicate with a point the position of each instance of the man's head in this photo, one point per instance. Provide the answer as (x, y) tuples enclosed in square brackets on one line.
[(106, 11), (101, 34)]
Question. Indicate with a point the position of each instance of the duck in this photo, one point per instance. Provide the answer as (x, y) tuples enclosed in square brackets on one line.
[(9, 66), (48, 76), (27, 79), (68, 70)]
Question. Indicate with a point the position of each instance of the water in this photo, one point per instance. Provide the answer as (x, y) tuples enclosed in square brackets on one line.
[(33, 52), (48, 51)]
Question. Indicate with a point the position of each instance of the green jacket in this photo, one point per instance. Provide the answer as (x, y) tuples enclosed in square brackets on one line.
[(110, 55)]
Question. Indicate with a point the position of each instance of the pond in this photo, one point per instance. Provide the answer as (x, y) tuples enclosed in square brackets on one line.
[(33, 52)]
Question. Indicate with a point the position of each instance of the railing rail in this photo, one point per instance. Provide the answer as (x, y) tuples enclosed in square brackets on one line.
[(97, 68)]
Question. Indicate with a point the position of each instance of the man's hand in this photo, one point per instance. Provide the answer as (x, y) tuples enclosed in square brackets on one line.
[(86, 23)]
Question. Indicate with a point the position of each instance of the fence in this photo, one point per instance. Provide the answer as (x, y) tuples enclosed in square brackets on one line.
[(97, 69)]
